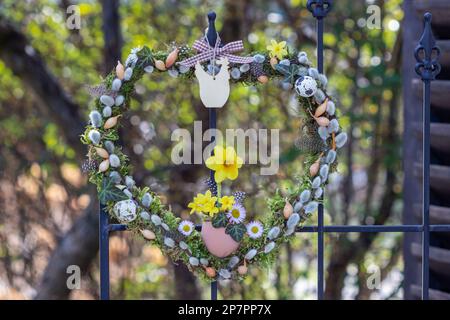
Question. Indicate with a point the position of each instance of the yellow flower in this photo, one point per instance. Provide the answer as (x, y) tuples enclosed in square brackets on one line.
[(211, 208), (277, 49), (226, 202), (225, 163), (204, 203)]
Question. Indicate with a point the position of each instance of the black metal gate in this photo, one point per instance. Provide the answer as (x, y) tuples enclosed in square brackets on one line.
[(427, 67)]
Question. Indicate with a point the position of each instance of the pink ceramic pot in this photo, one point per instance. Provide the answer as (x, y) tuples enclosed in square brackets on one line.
[(217, 241)]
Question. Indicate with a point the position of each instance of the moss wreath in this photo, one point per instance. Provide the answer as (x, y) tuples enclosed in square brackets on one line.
[(142, 210)]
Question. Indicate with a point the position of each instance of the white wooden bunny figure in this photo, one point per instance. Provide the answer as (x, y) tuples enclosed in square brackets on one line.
[(214, 90)]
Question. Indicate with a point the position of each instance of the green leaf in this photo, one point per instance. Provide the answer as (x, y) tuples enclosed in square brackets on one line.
[(109, 192), (290, 72), (145, 57), (282, 68), (236, 231), (220, 220)]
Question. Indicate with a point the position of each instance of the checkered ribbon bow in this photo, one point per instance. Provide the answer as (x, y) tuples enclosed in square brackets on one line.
[(205, 52)]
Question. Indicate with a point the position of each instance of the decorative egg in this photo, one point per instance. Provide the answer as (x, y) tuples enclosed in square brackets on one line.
[(263, 79), (125, 210), (306, 86), (314, 168), (160, 65), (273, 62), (111, 122), (148, 234), (102, 152), (242, 270), (210, 272), (120, 70), (103, 166), (171, 58), (288, 210)]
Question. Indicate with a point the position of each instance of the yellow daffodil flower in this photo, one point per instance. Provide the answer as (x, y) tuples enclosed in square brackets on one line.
[(225, 163), (277, 49), (226, 202), (204, 203)]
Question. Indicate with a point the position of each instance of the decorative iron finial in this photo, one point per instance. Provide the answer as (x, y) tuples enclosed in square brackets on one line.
[(427, 53), (319, 8), (211, 34)]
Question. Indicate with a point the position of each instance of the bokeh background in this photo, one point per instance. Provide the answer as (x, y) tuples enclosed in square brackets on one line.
[(49, 212)]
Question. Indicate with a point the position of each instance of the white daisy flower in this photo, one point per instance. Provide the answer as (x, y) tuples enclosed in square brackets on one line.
[(255, 229), (186, 227), (237, 213)]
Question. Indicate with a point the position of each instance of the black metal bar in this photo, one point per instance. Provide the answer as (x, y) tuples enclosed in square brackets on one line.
[(439, 228), (367, 228), (214, 290), (427, 67), (104, 252), (319, 9), (426, 191), (212, 115), (117, 227), (375, 228)]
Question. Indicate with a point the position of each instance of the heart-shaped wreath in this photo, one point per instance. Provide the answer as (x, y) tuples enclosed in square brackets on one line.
[(226, 245)]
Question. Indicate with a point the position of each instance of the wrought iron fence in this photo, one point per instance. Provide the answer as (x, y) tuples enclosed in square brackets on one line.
[(427, 67)]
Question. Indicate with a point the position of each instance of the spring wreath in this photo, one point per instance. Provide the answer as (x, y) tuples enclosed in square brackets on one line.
[(227, 244)]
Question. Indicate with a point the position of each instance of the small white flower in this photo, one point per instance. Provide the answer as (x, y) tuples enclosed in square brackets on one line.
[(165, 226), (145, 215), (96, 118), (186, 227), (119, 100), (147, 200), (156, 220), (233, 262), (128, 73), (183, 69), (135, 50), (293, 221), (225, 274), (269, 247), (237, 213), (169, 242), (194, 261), (273, 233), (255, 229), (94, 136), (116, 84), (251, 254), (183, 245), (316, 182), (149, 69), (131, 60), (107, 100), (114, 160)]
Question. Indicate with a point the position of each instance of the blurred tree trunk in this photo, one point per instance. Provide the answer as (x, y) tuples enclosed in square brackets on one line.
[(111, 34), (53, 101), (79, 246)]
